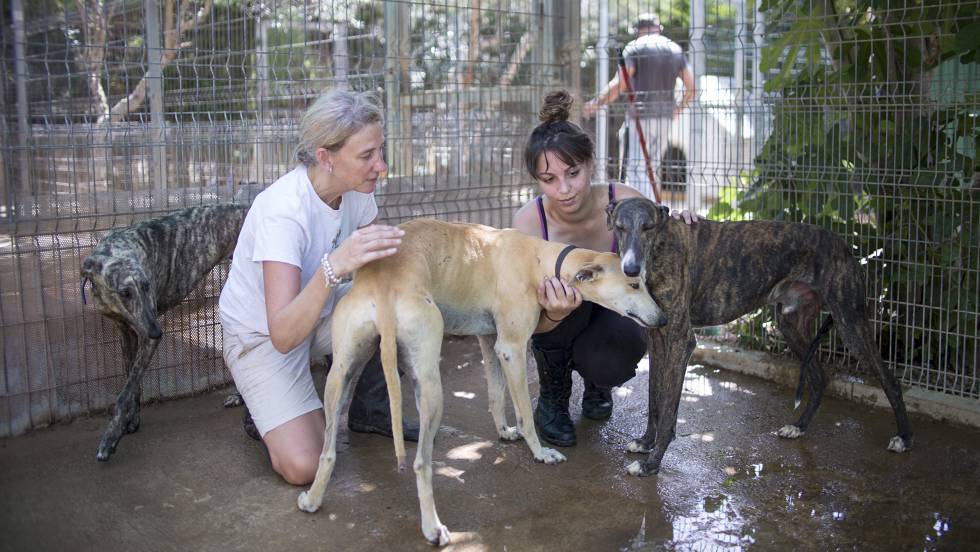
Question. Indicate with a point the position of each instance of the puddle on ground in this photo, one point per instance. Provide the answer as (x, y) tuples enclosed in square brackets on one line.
[(715, 524)]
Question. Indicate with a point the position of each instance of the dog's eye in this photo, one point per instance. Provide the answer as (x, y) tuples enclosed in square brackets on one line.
[(635, 285), (125, 293)]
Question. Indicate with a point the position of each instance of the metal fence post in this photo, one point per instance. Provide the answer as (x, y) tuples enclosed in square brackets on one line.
[(154, 88), (602, 75), (23, 129)]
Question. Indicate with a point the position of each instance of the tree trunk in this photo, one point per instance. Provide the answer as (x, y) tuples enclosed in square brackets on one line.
[(171, 44), (92, 54)]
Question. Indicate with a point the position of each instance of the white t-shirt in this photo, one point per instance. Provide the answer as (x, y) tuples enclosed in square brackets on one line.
[(288, 223)]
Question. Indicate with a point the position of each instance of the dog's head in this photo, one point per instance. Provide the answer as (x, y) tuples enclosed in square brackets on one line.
[(122, 291), (632, 220), (599, 279)]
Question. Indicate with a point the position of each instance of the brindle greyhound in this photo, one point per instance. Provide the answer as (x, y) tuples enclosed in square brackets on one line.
[(461, 279), (711, 273), (140, 272)]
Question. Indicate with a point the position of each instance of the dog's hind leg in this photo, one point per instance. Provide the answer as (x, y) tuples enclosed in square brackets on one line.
[(666, 386), (126, 414), (855, 330), (424, 339), (349, 355), (512, 354), (496, 387), (796, 326)]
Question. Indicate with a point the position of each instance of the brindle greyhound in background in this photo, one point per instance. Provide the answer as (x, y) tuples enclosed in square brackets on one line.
[(140, 272), (460, 279), (711, 273)]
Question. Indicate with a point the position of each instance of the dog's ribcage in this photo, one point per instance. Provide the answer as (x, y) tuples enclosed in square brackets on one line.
[(753, 264)]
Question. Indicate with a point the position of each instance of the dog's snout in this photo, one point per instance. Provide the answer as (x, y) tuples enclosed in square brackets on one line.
[(155, 332), (630, 264), (660, 321)]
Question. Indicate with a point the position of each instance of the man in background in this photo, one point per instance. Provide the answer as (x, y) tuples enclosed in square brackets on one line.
[(654, 63)]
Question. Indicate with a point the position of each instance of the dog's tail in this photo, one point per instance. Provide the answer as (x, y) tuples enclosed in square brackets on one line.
[(389, 365), (814, 345)]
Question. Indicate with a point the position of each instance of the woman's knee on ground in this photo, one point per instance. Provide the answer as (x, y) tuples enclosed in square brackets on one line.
[(296, 466)]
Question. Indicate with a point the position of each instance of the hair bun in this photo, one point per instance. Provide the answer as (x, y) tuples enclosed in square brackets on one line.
[(557, 106)]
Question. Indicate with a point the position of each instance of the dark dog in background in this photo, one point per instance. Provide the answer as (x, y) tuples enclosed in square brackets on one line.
[(138, 273), (711, 273)]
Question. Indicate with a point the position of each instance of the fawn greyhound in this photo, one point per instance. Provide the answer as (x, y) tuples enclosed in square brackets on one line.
[(461, 279)]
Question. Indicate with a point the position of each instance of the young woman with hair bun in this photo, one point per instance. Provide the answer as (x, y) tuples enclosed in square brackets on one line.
[(572, 335)]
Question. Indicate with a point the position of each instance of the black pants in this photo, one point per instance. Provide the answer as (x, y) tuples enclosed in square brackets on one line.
[(605, 346)]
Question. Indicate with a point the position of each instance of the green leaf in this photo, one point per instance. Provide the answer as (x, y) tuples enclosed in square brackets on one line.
[(967, 40)]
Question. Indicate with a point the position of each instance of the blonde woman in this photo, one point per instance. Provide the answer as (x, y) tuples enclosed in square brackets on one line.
[(303, 236)]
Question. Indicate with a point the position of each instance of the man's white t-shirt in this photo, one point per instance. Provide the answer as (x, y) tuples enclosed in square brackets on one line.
[(288, 223)]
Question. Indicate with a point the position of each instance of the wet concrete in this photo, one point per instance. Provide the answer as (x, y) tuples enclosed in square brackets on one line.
[(191, 480)]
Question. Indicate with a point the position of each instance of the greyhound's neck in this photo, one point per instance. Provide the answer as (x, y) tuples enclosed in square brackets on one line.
[(549, 257)]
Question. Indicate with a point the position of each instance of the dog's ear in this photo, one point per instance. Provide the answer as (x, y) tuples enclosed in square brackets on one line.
[(664, 212), (609, 213), (91, 266), (588, 273)]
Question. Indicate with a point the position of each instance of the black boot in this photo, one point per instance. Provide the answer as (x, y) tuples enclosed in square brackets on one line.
[(596, 402), (551, 413), (369, 410), (249, 426)]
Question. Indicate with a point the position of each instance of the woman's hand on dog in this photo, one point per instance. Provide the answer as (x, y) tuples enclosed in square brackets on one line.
[(558, 298), (365, 245)]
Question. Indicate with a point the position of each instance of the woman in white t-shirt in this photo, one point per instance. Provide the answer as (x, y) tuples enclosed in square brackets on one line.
[(303, 236)]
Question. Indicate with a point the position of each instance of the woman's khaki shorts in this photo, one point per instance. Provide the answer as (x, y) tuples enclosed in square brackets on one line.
[(276, 387)]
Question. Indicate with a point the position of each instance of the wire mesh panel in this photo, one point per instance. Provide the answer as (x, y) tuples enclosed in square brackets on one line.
[(858, 116), (119, 110)]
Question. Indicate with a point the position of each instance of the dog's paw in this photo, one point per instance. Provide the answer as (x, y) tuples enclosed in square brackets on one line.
[(103, 455), (789, 432), (636, 445), (439, 536), (641, 469), (508, 433), (106, 449), (549, 456), (897, 444), (306, 502), (233, 400)]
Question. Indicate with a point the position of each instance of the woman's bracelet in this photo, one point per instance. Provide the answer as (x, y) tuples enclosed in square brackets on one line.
[(332, 280), (552, 319)]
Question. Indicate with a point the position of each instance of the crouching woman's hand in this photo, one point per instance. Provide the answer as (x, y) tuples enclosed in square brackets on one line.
[(557, 299)]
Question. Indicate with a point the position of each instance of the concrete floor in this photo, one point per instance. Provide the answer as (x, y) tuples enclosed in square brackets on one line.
[(191, 480)]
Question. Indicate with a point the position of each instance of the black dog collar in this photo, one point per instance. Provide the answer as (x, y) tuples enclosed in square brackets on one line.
[(561, 257)]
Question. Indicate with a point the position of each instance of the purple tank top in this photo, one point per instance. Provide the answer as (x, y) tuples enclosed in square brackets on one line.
[(544, 221)]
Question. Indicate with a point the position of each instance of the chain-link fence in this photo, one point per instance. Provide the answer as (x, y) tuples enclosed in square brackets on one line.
[(860, 119)]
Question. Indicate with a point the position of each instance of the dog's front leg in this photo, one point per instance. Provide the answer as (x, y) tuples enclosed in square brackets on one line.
[(130, 345), (124, 414), (666, 385), (513, 358), (644, 444), (496, 387)]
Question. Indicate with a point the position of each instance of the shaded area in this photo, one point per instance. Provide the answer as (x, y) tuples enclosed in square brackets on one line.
[(190, 479)]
